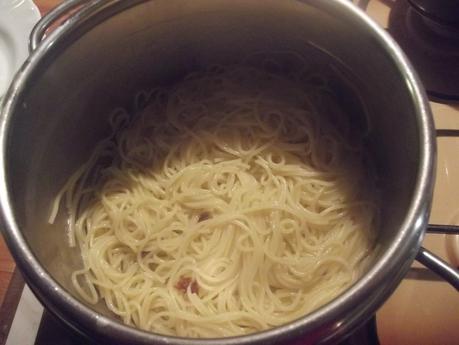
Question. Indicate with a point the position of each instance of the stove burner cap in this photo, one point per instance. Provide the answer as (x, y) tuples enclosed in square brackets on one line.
[(443, 12), (431, 42)]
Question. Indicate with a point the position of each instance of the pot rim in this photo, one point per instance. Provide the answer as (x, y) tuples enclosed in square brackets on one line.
[(369, 292)]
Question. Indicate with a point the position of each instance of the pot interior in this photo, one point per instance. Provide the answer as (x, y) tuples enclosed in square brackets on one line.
[(62, 111)]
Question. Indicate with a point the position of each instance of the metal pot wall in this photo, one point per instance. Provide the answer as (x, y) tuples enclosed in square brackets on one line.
[(57, 108)]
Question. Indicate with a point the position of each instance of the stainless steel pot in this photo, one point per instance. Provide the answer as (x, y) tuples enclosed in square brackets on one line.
[(56, 110)]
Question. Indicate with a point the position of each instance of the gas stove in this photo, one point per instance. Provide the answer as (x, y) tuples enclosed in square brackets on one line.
[(424, 309)]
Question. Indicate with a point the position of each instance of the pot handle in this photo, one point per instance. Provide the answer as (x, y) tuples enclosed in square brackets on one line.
[(440, 267), (52, 17)]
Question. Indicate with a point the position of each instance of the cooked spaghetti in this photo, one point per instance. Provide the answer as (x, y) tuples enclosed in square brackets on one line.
[(227, 204)]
